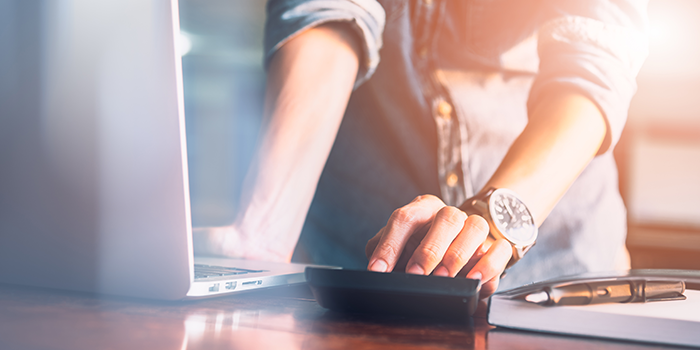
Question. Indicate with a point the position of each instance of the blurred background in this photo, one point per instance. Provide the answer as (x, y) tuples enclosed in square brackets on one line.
[(658, 155)]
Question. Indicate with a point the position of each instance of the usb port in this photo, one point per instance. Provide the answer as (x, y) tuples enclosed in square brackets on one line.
[(214, 288), (230, 285), (252, 282)]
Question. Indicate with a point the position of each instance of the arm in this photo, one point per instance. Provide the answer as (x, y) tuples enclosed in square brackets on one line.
[(589, 57), (565, 132), (309, 83)]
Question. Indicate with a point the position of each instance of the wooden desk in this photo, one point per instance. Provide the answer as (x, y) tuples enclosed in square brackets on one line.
[(287, 318)]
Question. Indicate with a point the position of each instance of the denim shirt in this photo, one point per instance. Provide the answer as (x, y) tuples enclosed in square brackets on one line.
[(444, 89)]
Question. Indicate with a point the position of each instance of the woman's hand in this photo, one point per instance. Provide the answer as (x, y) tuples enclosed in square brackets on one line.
[(228, 241), (426, 236)]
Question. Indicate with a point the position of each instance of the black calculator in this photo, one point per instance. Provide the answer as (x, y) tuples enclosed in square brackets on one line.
[(394, 293)]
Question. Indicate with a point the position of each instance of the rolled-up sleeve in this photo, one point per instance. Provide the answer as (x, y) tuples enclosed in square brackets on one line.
[(288, 18), (597, 53)]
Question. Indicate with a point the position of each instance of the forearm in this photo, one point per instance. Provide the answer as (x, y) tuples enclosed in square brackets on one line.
[(309, 83), (563, 135)]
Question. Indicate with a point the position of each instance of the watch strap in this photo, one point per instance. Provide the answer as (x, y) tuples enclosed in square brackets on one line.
[(473, 204)]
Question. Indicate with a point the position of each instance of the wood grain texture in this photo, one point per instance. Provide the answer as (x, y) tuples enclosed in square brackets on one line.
[(282, 318)]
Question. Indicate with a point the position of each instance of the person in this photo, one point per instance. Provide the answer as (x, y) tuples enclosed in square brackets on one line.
[(384, 117)]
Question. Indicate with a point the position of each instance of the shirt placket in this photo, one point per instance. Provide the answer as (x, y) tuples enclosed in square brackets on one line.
[(449, 163), (449, 158)]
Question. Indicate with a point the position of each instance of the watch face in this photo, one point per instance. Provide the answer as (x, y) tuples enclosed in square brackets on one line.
[(512, 218)]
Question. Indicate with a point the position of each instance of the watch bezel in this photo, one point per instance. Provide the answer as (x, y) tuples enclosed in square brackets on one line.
[(492, 213)]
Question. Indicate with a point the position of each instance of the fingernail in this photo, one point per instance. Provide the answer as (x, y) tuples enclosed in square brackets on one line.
[(379, 265), (476, 275), (415, 269), (441, 271)]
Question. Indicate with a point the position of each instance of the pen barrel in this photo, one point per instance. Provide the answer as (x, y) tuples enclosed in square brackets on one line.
[(591, 293), (616, 292), (569, 295), (659, 290), (620, 291)]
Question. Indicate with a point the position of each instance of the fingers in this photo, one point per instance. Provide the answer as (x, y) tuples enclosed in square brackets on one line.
[(489, 288), (447, 225), (489, 268), (446, 241), (480, 252), (372, 243), (400, 227), (464, 247)]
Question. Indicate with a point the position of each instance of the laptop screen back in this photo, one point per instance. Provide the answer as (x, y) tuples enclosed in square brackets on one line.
[(93, 176)]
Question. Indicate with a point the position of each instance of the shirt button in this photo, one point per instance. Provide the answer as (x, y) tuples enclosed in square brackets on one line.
[(452, 179), (444, 109)]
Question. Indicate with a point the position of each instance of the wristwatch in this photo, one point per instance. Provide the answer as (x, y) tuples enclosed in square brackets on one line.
[(508, 218)]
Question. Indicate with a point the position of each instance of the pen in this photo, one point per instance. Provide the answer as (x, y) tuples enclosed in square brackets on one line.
[(616, 291)]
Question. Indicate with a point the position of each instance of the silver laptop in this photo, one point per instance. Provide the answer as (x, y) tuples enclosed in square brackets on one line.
[(93, 170)]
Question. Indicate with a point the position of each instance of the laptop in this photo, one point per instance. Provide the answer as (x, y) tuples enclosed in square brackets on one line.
[(93, 169)]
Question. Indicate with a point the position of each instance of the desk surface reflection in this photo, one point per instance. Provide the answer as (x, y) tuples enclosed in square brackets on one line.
[(281, 318)]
